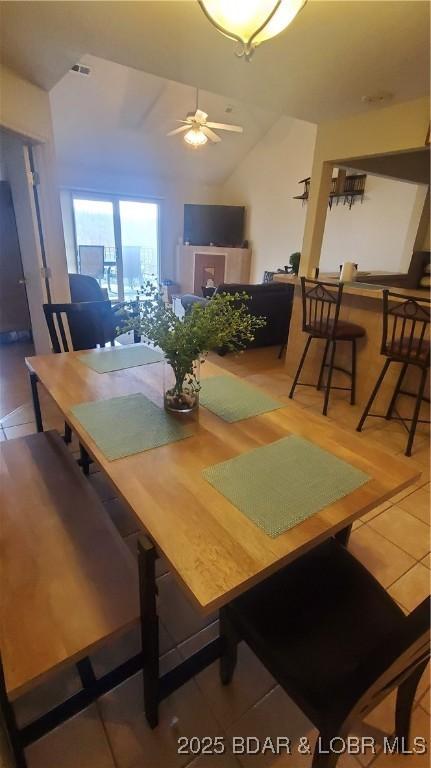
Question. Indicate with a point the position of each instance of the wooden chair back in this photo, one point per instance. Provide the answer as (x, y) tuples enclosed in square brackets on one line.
[(406, 328), (392, 664), (320, 307), (79, 325)]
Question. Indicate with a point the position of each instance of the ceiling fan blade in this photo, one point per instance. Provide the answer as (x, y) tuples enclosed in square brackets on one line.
[(178, 130), (211, 135), (186, 122), (226, 127)]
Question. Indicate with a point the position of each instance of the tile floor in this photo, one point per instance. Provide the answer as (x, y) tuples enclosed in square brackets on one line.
[(393, 542)]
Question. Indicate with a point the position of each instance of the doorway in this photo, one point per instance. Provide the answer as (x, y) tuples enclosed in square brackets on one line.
[(117, 242), (15, 321)]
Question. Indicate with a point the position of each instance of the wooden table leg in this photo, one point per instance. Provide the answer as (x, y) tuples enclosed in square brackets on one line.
[(149, 628), (36, 402), (343, 536)]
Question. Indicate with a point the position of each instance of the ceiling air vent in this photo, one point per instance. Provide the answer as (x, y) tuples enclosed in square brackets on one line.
[(82, 69)]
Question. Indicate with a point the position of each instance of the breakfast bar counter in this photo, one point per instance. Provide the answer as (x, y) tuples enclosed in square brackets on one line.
[(362, 304)]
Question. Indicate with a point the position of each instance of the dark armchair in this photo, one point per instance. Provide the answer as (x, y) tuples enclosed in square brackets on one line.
[(85, 288), (272, 300)]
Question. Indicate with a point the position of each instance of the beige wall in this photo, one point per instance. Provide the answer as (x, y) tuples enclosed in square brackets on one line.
[(24, 108), (422, 241), (425, 245), (266, 182), (393, 129)]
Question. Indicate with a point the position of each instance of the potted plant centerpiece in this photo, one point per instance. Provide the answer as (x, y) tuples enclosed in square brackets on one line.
[(221, 323)]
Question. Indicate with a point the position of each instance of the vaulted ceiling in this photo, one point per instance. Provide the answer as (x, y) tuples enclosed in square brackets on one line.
[(334, 53), (117, 118)]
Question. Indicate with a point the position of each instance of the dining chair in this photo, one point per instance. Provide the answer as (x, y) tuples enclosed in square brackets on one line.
[(86, 325), (335, 641), (406, 341), (85, 328), (321, 303)]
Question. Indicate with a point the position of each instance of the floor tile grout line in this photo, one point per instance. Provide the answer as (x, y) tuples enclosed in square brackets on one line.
[(373, 530), (106, 733), (418, 562), (369, 522)]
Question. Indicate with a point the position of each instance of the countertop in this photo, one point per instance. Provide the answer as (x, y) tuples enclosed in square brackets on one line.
[(367, 290)]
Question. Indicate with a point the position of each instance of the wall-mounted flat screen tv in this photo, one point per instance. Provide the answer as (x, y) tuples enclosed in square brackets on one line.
[(221, 225)]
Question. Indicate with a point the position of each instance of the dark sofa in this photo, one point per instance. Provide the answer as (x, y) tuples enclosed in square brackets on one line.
[(272, 300)]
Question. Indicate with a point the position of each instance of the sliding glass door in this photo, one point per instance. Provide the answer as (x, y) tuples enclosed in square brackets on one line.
[(117, 242)]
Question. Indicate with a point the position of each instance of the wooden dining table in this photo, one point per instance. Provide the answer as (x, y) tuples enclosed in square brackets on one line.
[(214, 550)]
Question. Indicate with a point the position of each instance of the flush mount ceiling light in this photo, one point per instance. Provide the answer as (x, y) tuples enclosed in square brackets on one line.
[(195, 137), (250, 22)]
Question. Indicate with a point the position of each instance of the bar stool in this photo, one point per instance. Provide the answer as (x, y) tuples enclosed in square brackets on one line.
[(321, 304), (405, 340)]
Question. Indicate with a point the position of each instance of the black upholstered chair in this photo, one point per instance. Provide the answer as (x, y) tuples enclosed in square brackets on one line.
[(85, 288), (334, 639), (406, 341), (321, 303)]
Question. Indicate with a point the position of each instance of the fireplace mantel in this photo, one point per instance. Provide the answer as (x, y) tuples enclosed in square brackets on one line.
[(232, 265)]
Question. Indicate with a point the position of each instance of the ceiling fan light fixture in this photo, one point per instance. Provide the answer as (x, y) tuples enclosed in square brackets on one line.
[(195, 138), (251, 22)]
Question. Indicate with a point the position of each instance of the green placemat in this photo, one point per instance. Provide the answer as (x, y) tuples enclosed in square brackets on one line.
[(281, 484), (121, 426), (117, 358), (233, 399)]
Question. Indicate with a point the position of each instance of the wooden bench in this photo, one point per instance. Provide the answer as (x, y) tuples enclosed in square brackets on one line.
[(68, 581)]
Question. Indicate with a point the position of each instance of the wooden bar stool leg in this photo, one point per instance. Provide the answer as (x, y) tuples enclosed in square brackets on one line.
[(396, 391), (353, 387), (328, 383), (149, 628), (416, 412), (298, 372), (322, 367), (373, 395)]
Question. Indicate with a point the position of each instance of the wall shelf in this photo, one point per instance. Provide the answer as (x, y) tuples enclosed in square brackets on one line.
[(345, 188)]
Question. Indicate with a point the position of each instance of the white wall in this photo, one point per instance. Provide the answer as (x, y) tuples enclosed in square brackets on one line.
[(378, 234), (25, 114), (66, 203), (265, 182), (25, 214), (172, 196)]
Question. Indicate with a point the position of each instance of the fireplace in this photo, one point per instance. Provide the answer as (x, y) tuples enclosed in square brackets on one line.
[(197, 264)]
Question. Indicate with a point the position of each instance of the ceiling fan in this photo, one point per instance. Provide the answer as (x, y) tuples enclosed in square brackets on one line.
[(199, 130)]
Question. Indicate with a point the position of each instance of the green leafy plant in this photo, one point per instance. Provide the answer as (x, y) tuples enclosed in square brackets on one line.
[(224, 322), (294, 261)]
